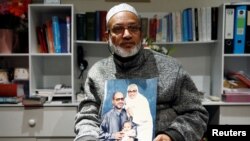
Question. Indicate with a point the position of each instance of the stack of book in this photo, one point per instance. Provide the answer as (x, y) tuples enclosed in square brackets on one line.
[(54, 36), (236, 87), (9, 93), (190, 24), (236, 95), (91, 25)]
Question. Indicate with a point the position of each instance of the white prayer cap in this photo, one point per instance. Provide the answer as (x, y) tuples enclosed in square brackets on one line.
[(118, 8)]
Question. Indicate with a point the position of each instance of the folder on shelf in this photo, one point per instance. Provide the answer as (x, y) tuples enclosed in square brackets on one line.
[(247, 43), (240, 29), (229, 29)]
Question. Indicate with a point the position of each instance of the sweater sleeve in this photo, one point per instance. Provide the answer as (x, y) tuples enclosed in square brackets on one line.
[(87, 119), (191, 122)]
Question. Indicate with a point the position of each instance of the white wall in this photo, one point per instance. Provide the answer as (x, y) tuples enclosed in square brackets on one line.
[(153, 6)]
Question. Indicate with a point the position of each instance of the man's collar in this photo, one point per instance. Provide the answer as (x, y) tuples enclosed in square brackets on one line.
[(128, 63)]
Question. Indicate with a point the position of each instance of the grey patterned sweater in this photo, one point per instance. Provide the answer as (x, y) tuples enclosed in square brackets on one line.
[(180, 113)]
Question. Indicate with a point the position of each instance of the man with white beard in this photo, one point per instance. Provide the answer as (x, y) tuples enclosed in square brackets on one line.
[(180, 115)]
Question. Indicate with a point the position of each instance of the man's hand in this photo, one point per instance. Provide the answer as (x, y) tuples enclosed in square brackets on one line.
[(162, 137), (119, 135)]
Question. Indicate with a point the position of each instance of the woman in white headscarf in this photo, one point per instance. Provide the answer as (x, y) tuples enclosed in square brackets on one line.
[(138, 109)]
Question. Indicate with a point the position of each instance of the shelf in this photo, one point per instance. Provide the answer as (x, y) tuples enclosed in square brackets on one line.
[(50, 54), (90, 42), (185, 43), (46, 104), (227, 62), (15, 54), (236, 55), (208, 102), (156, 43), (39, 14), (49, 69)]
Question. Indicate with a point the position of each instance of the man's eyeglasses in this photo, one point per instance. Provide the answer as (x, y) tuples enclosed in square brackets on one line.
[(130, 91), (119, 99), (119, 29)]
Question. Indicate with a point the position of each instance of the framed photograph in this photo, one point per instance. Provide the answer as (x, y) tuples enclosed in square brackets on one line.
[(136, 101), (128, 0)]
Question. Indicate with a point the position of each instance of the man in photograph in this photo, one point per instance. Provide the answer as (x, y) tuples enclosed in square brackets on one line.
[(113, 120)]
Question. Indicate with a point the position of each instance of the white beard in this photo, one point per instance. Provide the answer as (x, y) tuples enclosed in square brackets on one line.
[(122, 52)]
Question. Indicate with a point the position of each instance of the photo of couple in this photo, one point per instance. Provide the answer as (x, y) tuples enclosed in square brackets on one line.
[(128, 110)]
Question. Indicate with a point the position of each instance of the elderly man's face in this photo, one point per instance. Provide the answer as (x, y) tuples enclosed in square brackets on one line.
[(125, 34)]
